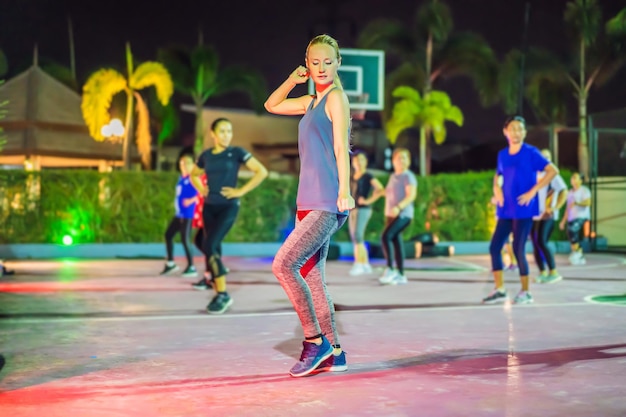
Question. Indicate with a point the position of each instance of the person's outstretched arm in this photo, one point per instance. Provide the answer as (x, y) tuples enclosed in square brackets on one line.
[(278, 103)]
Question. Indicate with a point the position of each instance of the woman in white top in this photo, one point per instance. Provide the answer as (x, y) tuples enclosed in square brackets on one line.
[(578, 211), (551, 199)]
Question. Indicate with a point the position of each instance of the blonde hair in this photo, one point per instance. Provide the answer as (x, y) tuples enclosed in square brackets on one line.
[(332, 42), (401, 150)]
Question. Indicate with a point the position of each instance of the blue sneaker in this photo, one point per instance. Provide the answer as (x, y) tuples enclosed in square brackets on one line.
[(334, 363), (311, 357)]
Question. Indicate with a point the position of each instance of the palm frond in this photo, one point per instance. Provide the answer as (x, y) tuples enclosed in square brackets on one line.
[(432, 116), (546, 98), (407, 74), (469, 54), (583, 19), (609, 69), (98, 92), (540, 66), (435, 18), (402, 118), (455, 115), (391, 36), (431, 112), (164, 119), (439, 133), (508, 80), (616, 26), (438, 99), (407, 93), (241, 79), (177, 60), (205, 64), (143, 136), (153, 74)]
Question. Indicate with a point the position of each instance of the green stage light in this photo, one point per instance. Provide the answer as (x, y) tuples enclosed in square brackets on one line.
[(67, 240)]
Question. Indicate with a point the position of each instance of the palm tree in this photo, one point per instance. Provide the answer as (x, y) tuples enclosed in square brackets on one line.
[(429, 111), (165, 120), (545, 88), (597, 56), (104, 84), (196, 73), (429, 52)]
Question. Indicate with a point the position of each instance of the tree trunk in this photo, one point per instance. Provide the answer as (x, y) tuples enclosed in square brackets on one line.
[(425, 133), (128, 134), (429, 153), (554, 144), (423, 145), (583, 152), (159, 150), (199, 129), (128, 130), (199, 102), (583, 155)]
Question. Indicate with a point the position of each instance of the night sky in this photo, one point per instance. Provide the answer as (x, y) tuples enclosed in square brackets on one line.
[(272, 36)]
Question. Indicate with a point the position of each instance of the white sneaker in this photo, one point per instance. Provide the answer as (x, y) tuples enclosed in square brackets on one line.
[(367, 268), (388, 276), (357, 269), (576, 258), (398, 279), (523, 297)]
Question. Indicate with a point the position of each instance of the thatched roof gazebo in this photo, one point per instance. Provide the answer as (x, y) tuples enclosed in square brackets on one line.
[(43, 126)]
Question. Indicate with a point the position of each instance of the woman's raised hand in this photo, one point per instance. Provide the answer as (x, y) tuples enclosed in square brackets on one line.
[(299, 75)]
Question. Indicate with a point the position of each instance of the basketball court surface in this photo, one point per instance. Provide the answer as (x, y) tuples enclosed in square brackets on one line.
[(108, 338)]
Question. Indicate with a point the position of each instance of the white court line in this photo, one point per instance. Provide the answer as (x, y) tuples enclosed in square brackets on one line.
[(283, 313), (583, 267), (475, 267)]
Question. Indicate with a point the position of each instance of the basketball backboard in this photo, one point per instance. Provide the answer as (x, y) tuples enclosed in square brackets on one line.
[(362, 73)]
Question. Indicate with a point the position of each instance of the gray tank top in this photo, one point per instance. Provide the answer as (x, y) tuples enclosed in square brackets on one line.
[(318, 188)]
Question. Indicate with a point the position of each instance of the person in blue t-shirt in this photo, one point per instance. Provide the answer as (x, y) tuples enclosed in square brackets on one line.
[(185, 205), (515, 188)]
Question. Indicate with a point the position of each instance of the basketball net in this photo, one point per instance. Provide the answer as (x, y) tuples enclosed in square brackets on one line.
[(358, 114)]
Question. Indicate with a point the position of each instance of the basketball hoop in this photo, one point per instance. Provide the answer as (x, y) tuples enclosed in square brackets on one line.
[(357, 113)]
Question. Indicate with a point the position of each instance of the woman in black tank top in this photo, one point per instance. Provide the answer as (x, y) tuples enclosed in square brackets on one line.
[(362, 182)]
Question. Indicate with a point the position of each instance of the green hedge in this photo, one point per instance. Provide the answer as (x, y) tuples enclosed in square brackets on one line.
[(138, 208), (44, 207)]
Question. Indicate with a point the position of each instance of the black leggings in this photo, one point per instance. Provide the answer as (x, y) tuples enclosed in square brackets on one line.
[(542, 229), (521, 230), (218, 220), (392, 235), (182, 226), (574, 229), (199, 239)]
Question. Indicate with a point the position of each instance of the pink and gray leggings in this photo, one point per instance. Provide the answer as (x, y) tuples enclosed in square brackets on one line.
[(300, 266)]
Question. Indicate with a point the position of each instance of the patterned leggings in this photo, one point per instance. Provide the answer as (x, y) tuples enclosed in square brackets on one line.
[(300, 267)]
